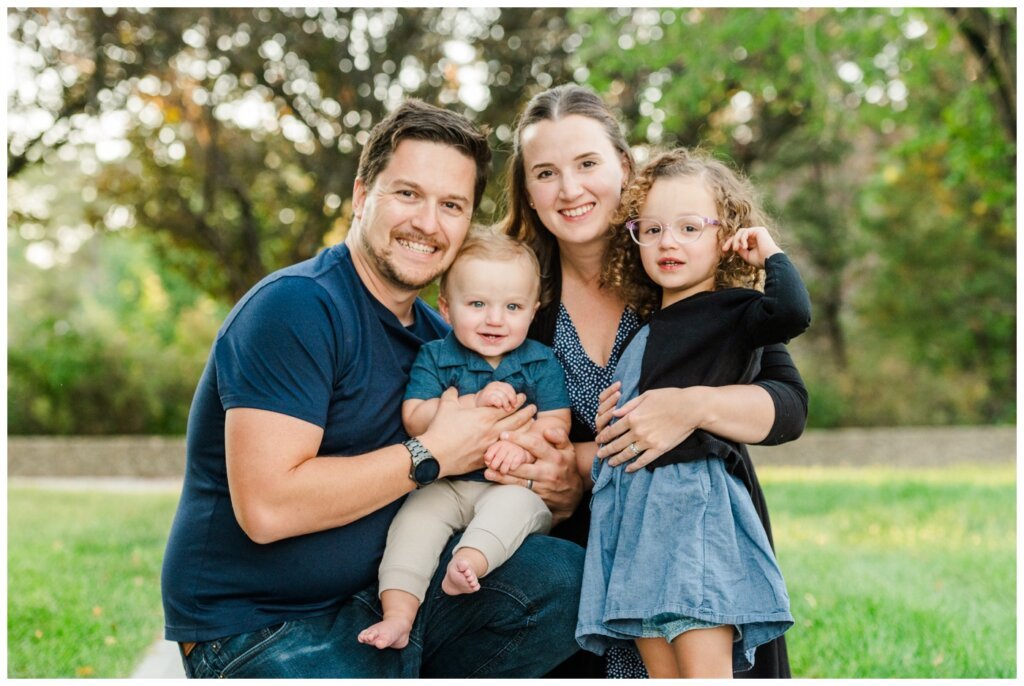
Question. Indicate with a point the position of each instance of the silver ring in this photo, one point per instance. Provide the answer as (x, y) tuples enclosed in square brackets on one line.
[(529, 484), (633, 450)]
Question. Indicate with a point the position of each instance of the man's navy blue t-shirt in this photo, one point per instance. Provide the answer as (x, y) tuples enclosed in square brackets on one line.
[(311, 342)]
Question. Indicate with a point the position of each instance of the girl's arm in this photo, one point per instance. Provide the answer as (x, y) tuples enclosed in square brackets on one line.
[(784, 312)]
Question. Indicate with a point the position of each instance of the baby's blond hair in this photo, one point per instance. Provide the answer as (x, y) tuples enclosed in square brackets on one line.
[(485, 243)]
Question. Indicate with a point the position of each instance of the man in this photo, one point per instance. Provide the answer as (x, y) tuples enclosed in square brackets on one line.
[(297, 458)]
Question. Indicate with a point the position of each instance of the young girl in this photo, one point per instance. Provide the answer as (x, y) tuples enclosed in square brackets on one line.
[(677, 559)]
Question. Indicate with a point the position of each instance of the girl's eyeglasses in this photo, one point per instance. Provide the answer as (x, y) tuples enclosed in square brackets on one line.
[(684, 229)]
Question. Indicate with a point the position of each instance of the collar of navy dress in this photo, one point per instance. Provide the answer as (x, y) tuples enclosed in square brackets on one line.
[(584, 378)]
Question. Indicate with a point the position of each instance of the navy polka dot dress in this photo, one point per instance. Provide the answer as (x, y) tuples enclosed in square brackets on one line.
[(585, 380)]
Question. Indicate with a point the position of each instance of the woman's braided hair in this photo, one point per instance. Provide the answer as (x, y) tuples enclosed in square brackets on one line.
[(735, 199)]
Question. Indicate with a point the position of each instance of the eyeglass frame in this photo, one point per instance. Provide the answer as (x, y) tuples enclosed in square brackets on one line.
[(632, 226)]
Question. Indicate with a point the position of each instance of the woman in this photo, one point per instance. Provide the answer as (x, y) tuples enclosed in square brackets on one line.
[(569, 166)]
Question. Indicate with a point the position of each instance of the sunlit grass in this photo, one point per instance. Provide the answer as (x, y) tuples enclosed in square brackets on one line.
[(83, 581), (892, 573), (897, 573)]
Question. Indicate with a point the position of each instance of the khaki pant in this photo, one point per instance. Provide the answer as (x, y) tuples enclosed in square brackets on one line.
[(496, 518)]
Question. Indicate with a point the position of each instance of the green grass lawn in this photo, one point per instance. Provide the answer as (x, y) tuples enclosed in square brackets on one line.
[(892, 574), (83, 581), (896, 573)]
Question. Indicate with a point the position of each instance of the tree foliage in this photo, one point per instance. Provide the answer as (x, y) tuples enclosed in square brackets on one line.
[(221, 144)]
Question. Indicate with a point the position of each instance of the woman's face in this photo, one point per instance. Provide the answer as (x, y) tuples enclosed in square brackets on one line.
[(574, 177)]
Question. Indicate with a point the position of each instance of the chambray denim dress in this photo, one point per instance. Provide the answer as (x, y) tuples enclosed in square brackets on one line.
[(682, 540)]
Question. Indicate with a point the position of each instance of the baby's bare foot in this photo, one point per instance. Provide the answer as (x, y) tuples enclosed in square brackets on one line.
[(460, 578), (387, 633)]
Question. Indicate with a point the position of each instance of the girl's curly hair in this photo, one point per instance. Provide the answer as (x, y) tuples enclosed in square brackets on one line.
[(738, 206)]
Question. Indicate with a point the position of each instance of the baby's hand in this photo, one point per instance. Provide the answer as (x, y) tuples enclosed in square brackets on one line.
[(505, 456), (754, 245), (497, 394)]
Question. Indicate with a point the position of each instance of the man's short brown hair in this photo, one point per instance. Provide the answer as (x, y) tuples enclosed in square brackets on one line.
[(416, 120)]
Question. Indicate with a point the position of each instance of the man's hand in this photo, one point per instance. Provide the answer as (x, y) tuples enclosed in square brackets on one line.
[(553, 476), (458, 437), (497, 394)]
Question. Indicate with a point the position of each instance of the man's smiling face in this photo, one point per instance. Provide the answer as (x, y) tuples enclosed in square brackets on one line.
[(416, 214)]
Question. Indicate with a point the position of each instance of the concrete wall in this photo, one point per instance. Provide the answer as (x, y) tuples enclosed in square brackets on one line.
[(897, 447), (145, 456), (155, 456)]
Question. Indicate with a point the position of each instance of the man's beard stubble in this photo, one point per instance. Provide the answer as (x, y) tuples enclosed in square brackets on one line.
[(382, 261)]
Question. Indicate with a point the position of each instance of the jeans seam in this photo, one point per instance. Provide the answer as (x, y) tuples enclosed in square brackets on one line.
[(518, 637)]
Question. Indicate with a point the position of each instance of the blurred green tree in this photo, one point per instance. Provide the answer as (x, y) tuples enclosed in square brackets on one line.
[(245, 124), (222, 144), (102, 337)]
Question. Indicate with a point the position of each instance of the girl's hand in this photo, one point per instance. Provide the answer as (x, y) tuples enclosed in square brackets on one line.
[(606, 403), (653, 422), (754, 245)]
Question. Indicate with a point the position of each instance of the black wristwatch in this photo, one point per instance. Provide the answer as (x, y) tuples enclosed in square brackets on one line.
[(425, 467)]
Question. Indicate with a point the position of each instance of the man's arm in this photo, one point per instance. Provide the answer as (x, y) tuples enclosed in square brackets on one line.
[(279, 489)]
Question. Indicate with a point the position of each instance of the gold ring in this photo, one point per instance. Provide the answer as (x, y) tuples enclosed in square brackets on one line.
[(633, 449)]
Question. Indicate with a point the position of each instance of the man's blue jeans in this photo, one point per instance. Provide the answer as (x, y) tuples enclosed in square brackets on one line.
[(521, 623)]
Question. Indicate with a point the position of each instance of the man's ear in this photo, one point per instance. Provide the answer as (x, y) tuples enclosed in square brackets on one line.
[(442, 305), (358, 198)]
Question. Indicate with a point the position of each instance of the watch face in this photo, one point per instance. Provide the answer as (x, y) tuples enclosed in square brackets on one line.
[(427, 470)]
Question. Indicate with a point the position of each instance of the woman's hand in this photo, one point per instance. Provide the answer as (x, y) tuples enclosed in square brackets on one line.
[(652, 423), (606, 403), (553, 476)]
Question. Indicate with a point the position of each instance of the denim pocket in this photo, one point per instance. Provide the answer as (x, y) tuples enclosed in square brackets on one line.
[(235, 653), (370, 598)]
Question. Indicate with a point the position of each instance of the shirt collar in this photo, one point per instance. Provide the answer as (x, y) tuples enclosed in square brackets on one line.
[(454, 354)]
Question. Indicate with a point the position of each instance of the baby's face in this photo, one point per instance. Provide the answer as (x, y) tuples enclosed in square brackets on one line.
[(490, 304)]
